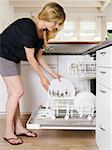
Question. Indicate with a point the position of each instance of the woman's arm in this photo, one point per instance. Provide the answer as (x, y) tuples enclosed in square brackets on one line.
[(33, 62), (43, 63)]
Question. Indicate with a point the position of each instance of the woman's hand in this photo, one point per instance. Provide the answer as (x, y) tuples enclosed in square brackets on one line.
[(45, 82), (56, 75), (43, 63)]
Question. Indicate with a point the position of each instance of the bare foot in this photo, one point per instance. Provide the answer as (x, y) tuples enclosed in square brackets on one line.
[(25, 132)]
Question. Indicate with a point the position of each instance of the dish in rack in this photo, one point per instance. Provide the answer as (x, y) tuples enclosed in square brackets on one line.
[(62, 88)]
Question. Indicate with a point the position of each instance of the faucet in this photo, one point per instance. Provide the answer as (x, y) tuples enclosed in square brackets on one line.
[(50, 49)]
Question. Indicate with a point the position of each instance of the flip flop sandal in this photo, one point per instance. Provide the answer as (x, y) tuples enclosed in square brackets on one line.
[(8, 140), (27, 134)]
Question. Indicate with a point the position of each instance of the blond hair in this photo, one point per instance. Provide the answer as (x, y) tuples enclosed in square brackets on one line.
[(52, 12)]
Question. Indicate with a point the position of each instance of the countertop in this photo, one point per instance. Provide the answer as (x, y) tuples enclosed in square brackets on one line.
[(99, 46), (80, 51), (76, 48)]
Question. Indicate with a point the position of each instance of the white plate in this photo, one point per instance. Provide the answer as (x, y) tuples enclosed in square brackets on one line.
[(61, 89), (84, 102), (84, 95)]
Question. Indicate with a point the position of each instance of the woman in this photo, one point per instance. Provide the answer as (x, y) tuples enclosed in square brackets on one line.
[(25, 39)]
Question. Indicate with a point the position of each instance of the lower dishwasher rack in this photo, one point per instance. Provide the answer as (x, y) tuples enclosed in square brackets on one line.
[(40, 119)]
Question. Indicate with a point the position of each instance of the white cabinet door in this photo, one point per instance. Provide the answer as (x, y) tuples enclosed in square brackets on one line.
[(3, 96), (103, 118), (104, 57), (34, 93), (63, 62), (104, 76)]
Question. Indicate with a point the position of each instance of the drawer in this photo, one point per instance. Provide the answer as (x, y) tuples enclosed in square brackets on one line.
[(104, 76), (104, 57), (103, 106), (103, 117), (103, 138)]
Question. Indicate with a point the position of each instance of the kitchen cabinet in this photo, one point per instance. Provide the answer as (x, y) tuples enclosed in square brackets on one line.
[(103, 118), (3, 96), (104, 99), (104, 57), (35, 94)]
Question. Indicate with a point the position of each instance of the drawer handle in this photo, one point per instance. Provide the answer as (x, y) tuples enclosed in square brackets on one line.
[(103, 53), (53, 67), (102, 72), (102, 91), (102, 128)]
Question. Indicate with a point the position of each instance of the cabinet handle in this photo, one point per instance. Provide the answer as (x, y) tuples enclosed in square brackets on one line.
[(103, 53), (102, 91), (53, 67), (102, 72), (102, 128)]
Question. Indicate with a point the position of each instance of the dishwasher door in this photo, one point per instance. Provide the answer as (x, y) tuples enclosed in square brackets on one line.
[(41, 119)]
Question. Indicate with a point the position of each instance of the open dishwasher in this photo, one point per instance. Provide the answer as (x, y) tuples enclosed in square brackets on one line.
[(64, 108)]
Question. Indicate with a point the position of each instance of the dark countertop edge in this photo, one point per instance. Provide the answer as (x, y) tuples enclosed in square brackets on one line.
[(74, 42), (96, 48), (61, 53)]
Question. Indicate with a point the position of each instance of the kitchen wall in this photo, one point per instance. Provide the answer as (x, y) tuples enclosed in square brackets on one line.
[(72, 13), (7, 14), (75, 15), (108, 12), (78, 16)]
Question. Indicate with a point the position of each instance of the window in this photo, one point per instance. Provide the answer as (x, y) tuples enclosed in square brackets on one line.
[(81, 29), (67, 33), (87, 30)]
